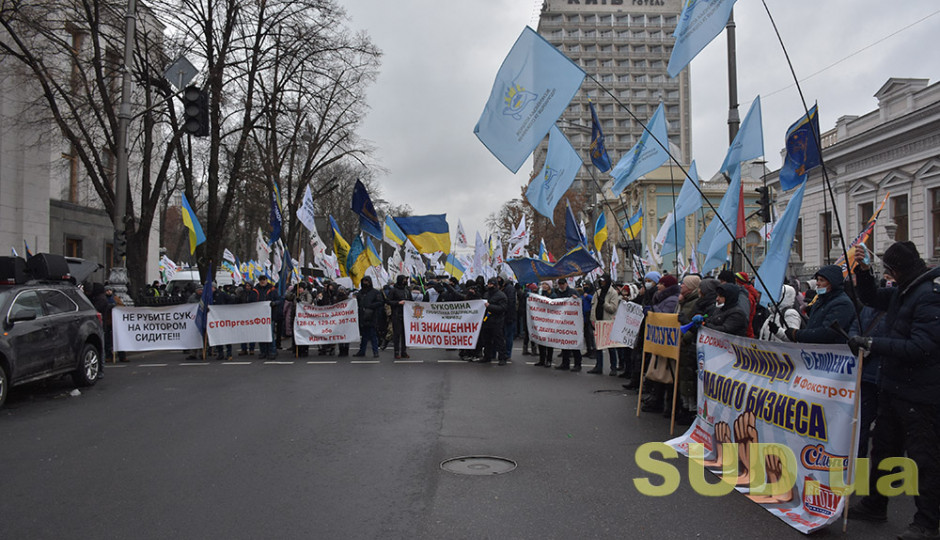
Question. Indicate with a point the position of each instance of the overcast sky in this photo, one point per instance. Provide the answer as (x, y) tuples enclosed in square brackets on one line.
[(441, 57)]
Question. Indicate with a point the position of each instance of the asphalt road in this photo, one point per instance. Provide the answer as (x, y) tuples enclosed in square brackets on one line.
[(327, 448)]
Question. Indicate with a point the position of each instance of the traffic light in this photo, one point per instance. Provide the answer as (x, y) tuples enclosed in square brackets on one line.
[(765, 211), (120, 244), (196, 111)]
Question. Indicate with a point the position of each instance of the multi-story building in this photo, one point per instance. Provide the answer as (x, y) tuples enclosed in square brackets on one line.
[(624, 47), (890, 153)]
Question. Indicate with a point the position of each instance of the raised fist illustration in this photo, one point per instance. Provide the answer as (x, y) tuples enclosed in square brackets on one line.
[(745, 433)]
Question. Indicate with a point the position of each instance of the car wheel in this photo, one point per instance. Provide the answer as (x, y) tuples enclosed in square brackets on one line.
[(89, 363), (4, 385)]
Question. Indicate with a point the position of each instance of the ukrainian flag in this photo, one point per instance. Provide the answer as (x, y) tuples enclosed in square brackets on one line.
[(427, 233), (393, 232), (340, 248), (196, 236), (372, 254), (600, 231), (635, 224), (357, 261), (453, 266)]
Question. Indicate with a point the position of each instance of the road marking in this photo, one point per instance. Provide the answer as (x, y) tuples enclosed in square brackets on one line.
[(316, 362), (453, 362), (194, 363), (279, 362), (364, 362), (236, 363), (409, 361), (153, 365)]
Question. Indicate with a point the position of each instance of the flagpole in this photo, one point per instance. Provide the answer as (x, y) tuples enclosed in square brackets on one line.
[(720, 219), (614, 213), (672, 185)]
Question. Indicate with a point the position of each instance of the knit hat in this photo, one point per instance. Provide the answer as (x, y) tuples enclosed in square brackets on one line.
[(742, 277), (902, 257), (532, 287), (691, 282), (668, 281), (653, 276)]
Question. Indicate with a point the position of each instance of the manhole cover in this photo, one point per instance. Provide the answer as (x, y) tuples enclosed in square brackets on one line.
[(478, 465)]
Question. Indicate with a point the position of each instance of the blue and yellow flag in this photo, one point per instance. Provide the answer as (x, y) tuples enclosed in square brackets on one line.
[(357, 260), (340, 248), (362, 205), (196, 236), (532, 88), (453, 266), (600, 231), (276, 221), (428, 233), (372, 254), (28, 252), (635, 224), (803, 144), (393, 234), (573, 236), (576, 262)]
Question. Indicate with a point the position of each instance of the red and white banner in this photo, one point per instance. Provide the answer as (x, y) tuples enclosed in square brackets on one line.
[(444, 325), (239, 323), (156, 328), (319, 325), (602, 336), (555, 323)]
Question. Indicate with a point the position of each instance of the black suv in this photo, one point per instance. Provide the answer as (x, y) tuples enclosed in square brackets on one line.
[(49, 327)]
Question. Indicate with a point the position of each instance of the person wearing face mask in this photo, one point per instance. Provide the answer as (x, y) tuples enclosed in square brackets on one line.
[(781, 317), (727, 317), (370, 301), (908, 418), (832, 305), (603, 308), (494, 340)]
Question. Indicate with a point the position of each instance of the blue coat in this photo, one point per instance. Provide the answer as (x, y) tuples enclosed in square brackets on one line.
[(910, 349)]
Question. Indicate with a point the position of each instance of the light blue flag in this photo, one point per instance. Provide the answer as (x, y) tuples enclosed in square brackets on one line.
[(688, 202), (562, 163), (645, 155), (700, 22), (715, 240), (748, 143), (532, 88), (774, 268)]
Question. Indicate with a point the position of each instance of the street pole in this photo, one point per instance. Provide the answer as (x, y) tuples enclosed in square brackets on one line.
[(118, 277), (734, 119)]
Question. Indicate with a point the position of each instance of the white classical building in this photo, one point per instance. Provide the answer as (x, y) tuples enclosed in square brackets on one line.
[(890, 153), (46, 198)]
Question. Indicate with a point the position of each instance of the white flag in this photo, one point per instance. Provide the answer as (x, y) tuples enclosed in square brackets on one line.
[(614, 261), (228, 256), (305, 212), (461, 235), (479, 256), (262, 247), (498, 254)]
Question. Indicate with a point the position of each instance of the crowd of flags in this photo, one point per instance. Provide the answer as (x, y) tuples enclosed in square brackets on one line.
[(533, 87)]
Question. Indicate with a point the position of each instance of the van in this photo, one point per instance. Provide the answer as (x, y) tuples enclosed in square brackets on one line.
[(190, 276)]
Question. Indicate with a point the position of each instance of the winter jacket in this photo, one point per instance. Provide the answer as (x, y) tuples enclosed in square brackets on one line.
[(397, 294), (611, 300), (510, 292), (790, 315), (496, 310), (834, 306), (910, 352), (728, 318), (666, 300), (370, 302)]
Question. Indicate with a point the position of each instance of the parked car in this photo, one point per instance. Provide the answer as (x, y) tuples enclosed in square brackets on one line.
[(50, 328), (189, 277)]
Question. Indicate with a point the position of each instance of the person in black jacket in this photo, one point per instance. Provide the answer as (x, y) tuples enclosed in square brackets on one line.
[(220, 297), (268, 293), (396, 299), (832, 305), (727, 316), (370, 302), (494, 342), (908, 417), (509, 318)]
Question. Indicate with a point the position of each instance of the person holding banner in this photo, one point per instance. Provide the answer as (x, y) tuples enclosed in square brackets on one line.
[(268, 293), (564, 291), (545, 353), (666, 300), (604, 308), (727, 317), (220, 297), (832, 306), (688, 304), (370, 302), (248, 295), (909, 400)]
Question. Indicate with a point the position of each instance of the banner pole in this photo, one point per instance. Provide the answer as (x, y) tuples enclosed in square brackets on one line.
[(675, 393), (639, 394)]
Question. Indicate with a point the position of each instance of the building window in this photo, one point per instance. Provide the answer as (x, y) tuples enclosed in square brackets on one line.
[(865, 211), (899, 213), (935, 213), (825, 236), (73, 247), (754, 246)]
